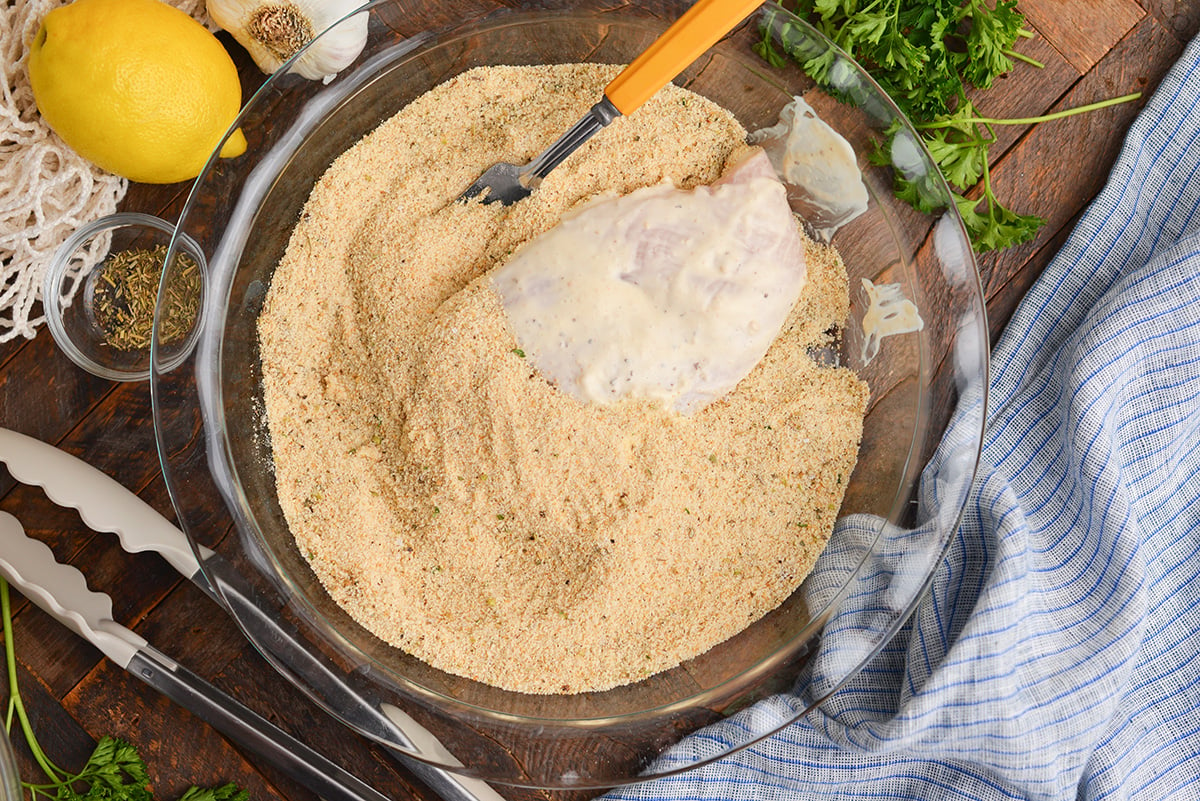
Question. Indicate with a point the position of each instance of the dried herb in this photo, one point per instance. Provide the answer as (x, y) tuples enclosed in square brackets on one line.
[(126, 291)]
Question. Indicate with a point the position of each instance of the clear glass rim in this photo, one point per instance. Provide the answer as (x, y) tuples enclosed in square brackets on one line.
[(10, 777), (464, 29)]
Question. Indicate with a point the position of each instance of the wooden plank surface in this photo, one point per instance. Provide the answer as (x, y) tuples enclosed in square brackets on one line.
[(1091, 49), (1084, 31)]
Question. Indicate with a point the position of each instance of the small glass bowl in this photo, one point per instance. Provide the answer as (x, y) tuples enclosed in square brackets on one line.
[(99, 301)]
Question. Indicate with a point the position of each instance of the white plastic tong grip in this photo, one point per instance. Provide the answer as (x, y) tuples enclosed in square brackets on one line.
[(102, 502), (62, 591)]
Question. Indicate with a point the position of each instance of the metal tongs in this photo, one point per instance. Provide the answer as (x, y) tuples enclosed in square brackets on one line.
[(105, 505), (62, 592)]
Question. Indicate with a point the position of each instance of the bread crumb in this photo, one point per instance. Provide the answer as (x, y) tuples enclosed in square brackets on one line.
[(446, 495)]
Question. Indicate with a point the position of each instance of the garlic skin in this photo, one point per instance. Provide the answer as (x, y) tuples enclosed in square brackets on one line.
[(272, 31)]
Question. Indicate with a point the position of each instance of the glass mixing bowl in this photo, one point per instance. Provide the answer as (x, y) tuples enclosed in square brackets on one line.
[(217, 458), (10, 779)]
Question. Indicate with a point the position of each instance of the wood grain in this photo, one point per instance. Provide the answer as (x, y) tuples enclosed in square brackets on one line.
[(179, 749), (1180, 17), (1082, 30), (1091, 49), (1025, 91), (1059, 166)]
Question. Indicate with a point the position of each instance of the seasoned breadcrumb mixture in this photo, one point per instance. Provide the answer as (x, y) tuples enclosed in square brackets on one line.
[(453, 501)]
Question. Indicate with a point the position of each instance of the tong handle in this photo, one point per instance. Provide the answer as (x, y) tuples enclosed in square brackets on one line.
[(103, 503)]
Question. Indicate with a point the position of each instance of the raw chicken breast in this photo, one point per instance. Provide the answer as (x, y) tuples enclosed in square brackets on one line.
[(660, 294)]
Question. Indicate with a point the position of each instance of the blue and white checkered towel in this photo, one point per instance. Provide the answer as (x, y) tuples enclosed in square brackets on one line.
[(1057, 655)]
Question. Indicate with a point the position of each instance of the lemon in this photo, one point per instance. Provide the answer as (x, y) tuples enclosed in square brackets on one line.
[(136, 86)]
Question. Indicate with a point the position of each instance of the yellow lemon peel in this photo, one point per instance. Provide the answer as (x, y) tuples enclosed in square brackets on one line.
[(137, 87)]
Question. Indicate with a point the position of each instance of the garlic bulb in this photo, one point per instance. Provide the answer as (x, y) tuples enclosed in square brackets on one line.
[(272, 31)]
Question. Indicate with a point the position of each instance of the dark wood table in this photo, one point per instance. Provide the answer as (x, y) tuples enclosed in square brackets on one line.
[(1092, 49)]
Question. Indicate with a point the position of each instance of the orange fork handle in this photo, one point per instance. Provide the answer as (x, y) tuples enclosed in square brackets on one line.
[(681, 44)]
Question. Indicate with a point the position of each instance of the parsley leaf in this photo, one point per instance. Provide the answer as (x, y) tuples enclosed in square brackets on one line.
[(927, 54), (960, 156), (990, 39), (226, 792), (114, 772), (996, 227), (922, 194)]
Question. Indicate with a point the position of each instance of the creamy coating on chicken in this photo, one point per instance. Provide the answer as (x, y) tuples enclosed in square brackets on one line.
[(660, 294), (818, 165)]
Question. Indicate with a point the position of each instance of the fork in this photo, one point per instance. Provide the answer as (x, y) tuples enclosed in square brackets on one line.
[(681, 44)]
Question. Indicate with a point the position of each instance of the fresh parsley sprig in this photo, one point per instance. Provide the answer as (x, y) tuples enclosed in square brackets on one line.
[(924, 53), (959, 143), (114, 772), (927, 55)]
